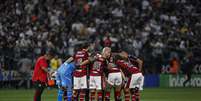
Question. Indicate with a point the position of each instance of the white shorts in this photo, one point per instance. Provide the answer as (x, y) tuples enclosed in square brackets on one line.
[(95, 82), (136, 80), (115, 79), (80, 82)]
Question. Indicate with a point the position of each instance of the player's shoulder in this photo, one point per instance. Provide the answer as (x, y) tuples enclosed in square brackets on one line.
[(41, 59)]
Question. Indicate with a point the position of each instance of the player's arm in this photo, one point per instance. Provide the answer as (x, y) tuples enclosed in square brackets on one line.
[(45, 69), (140, 63), (123, 76), (85, 62), (69, 60), (91, 59), (138, 60), (44, 66)]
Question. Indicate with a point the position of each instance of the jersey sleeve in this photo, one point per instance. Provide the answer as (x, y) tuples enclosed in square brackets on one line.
[(93, 57), (121, 64)]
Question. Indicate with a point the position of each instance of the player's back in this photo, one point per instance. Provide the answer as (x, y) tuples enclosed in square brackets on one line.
[(98, 64), (81, 56), (66, 69), (127, 66)]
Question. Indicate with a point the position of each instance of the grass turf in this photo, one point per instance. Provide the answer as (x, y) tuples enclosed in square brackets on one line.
[(149, 94)]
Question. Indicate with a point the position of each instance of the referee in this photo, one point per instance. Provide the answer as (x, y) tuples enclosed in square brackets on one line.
[(40, 74)]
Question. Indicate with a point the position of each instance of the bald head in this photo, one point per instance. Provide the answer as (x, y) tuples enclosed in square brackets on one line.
[(106, 52)]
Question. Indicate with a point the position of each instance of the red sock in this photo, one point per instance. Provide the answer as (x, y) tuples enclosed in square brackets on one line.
[(133, 97), (127, 96), (107, 96), (37, 95), (92, 96), (82, 95), (137, 95), (75, 97), (100, 94), (117, 95)]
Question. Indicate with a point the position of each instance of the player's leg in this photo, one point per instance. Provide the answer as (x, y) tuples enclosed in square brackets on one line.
[(127, 94), (69, 90), (66, 86), (136, 80), (60, 95), (83, 86), (92, 87), (107, 91), (188, 78), (60, 91), (39, 87), (118, 85), (135, 94), (76, 88), (127, 90), (109, 85), (64, 83), (117, 93), (141, 83), (98, 83)]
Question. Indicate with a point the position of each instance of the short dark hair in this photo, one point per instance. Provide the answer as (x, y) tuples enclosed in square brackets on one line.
[(117, 57), (50, 52)]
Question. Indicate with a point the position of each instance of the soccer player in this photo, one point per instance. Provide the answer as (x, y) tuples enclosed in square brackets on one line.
[(80, 74), (134, 75), (96, 79), (64, 81), (114, 80), (41, 73)]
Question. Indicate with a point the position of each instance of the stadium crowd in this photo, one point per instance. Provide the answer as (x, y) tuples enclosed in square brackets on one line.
[(155, 30)]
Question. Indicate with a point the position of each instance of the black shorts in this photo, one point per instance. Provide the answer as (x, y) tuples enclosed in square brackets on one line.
[(39, 84)]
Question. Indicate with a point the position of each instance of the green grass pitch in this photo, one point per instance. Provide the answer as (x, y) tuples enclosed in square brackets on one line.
[(149, 94)]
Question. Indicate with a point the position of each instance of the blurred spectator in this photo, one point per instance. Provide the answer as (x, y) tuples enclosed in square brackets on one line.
[(153, 26), (25, 65), (174, 66), (55, 63), (189, 63)]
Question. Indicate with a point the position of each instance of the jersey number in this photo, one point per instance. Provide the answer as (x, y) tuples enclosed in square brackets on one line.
[(97, 65)]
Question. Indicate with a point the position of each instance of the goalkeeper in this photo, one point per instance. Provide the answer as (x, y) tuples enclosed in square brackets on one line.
[(64, 81)]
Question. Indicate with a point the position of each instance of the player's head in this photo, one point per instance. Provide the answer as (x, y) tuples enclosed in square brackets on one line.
[(106, 52), (91, 47), (124, 54), (132, 58), (116, 57), (49, 54)]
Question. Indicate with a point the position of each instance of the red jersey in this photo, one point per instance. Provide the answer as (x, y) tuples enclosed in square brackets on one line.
[(127, 66), (39, 74), (97, 66), (79, 57), (113, 68)]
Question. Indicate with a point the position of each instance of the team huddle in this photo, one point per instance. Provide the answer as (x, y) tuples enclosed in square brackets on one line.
[(90, 76)]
